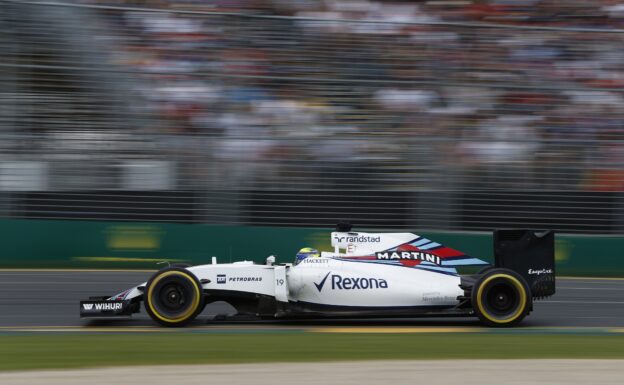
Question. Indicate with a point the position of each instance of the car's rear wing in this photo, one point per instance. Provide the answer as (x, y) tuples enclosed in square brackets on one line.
[(531, 254)]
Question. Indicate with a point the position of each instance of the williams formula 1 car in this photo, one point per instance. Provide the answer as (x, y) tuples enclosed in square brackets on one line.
[(366, 275)]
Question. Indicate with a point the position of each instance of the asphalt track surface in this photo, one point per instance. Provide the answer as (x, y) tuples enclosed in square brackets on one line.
[(51, 298)]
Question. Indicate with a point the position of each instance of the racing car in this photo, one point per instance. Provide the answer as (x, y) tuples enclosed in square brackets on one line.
[(366, 275)]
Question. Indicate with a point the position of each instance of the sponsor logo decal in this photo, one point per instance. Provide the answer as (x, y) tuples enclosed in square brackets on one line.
[(319, 285), (338, 282), (244, 279), (540, 272), (221, 278), (108, 306), (103, 306), (435, 296), (358, 239), (315, 260), (409, 255)]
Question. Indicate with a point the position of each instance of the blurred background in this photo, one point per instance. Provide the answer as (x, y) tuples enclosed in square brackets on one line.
[(442, 115), (139, 132)]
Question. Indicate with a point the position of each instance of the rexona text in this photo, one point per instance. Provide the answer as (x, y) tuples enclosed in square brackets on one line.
[(343, 283)]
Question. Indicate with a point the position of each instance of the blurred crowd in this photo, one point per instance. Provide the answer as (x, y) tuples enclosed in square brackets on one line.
[(509, 93)]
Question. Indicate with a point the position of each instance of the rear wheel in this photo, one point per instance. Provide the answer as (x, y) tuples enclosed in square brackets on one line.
[(173, 297), (501, 297), (485, 269)]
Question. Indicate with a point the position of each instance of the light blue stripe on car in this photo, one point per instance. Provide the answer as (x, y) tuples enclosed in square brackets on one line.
[(443, 270), (467, 261), (429, 246), (420, 242)]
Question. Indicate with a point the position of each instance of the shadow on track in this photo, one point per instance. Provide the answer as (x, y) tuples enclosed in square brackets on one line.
[(248, 323)]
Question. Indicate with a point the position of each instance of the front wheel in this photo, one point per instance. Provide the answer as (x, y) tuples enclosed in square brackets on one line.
[(501, 297), (173, 297)]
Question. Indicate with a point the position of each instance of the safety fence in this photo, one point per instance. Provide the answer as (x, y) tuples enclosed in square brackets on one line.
[(306, 117)]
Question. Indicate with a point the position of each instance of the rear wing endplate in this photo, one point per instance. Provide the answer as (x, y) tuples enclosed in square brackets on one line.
[(531, 254)]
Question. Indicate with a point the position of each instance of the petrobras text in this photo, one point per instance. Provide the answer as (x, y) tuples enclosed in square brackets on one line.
[(413, 255), (245, 279)]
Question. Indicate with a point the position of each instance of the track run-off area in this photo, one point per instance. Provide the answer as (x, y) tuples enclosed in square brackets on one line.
[(466, 372), (48, 300)]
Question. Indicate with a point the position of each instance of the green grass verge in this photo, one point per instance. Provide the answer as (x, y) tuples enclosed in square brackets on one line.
[(34, 351)]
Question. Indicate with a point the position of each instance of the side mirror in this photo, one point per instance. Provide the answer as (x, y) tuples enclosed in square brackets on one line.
[(270, 261)]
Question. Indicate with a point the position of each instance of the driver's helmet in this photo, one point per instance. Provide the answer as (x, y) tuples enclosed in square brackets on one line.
[(305, 253)]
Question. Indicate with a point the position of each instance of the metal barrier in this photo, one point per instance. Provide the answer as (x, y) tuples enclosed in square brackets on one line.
[(120, 113)]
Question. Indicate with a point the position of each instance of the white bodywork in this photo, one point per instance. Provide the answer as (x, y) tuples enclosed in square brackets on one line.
[(333, 280)]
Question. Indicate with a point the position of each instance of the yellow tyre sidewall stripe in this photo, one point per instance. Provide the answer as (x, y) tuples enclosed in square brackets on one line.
[(187, 313), (521, 290)]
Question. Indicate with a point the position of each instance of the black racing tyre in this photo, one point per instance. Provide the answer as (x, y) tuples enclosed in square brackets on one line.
[(184, 266), (501, 297), (173, 297), (485, 269), (180, 265)]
